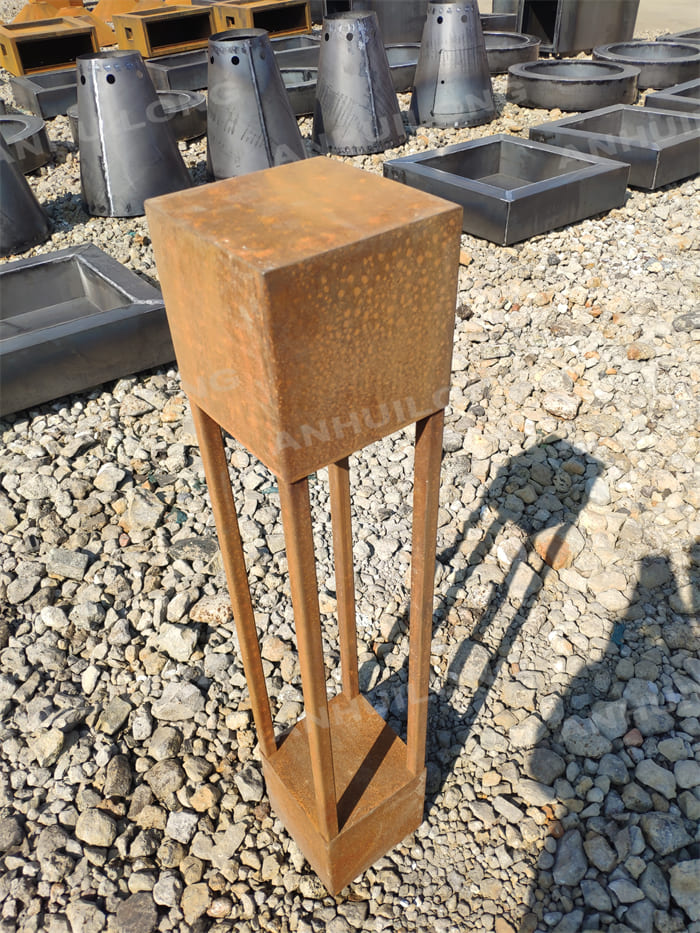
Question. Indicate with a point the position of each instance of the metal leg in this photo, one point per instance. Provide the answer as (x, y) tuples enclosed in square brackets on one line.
[(296, 521), (426, 494), (216, 470), (339, 482)]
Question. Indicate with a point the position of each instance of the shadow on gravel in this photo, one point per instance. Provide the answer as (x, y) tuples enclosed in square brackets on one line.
[(582, 767), (542, 537), (624, 854)]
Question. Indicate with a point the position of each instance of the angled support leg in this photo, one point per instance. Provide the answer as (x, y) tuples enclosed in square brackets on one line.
[(339, 482), (216, 470), (298, 535), (426, 492)]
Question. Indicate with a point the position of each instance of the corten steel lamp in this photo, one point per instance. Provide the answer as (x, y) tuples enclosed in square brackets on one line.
[(311, 307)]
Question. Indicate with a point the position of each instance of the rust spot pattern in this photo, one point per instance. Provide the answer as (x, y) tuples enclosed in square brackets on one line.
[(311, 306)]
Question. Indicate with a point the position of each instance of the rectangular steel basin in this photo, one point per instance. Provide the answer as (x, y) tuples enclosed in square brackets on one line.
[(284, 43), (512, 188), (186, 71), (567, 26), (685, 97), (46, 94), (71, 320), (659, 146)]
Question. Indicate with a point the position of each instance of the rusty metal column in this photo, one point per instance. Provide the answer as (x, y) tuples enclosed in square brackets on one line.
[(216, 471), (426, 492), (341, 520), (298, 536)]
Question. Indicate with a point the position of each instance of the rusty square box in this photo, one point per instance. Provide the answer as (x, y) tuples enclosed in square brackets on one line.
[(164, 31), (311, 306), (45, 44), (278, 17)]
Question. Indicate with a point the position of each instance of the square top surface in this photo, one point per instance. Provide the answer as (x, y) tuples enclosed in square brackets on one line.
[(276, 218)]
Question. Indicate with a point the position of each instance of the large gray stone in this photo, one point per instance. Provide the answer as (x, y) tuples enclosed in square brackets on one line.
[(664, 832), (581, 737), (571, 863), (96, 828), (685, 887)]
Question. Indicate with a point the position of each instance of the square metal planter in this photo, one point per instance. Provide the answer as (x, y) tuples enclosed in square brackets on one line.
[(567, 26), (659, 146), (167, 31), (45, 44), (278, 17), (685, 97), (186, 71), (46, 94), (512, 188), (71, 320)]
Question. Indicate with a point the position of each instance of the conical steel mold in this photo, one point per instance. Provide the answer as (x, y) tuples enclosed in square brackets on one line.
[(453, 84), (128, 152), (250, 123), (356, 109), (23, 222)]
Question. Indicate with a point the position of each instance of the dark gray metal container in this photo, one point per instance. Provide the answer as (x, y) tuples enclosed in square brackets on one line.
[(512, 188), (251, 124), (568, 26), (46, 94), (504, 49), (23, 222), (74, 319), (186, 71), (300, 84), (684, 97), (571, 84), (25, 136), (356, 109), (403, 60), (661, 64), (452, 83), (128, 152), (660, 147)]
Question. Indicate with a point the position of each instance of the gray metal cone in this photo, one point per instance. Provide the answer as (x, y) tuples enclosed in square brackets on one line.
[(356, 109), (23, 222), (128, 153), (250, 121), (452, 84)]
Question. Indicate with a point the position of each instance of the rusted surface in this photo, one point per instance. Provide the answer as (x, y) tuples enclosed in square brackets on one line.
[(278, 17), (164, 31), (219, 484), (45, 45), (312, 309), (334, 294), (426, 490), (298, 536), (339, 484), (379, 800)]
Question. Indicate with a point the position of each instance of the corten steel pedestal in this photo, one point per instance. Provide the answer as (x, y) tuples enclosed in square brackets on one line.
[(324, 300)]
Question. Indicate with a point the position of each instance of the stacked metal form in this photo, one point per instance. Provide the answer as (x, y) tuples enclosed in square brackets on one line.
[(356, 110), (128, 152), (251, 124), (453, 84)]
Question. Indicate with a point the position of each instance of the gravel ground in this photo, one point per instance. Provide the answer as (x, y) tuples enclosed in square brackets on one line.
[(564, 736)]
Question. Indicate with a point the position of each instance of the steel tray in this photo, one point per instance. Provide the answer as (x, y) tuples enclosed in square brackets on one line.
[(684, 97), (660, 147), (46, 94), (512, 188), (71, 320), (186, 71)]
